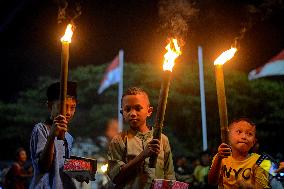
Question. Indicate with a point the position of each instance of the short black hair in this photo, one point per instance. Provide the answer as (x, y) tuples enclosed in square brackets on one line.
[(53, 91), (134, 91), (243, 119)]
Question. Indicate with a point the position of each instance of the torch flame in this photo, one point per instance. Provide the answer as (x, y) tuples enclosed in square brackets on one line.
[(225, 56), (173, 52), (68, 34)]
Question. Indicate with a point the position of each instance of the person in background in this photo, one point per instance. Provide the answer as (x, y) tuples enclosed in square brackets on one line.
[(129, 151), (3, 172), (182, 170), (17, 177), (201, 171), (47, 151), (280, 168), (111, 129)]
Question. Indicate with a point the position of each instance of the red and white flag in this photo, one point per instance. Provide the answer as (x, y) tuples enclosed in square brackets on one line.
[(111, 76), (274, 67)]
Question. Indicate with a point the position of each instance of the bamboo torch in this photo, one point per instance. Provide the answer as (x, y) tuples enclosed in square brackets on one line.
[(173, 51), (65, 40), (222, 59)]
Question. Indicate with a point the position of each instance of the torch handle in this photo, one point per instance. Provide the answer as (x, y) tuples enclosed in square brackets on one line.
[(63, 83), (220, 86), (156, 135), (160, 113)]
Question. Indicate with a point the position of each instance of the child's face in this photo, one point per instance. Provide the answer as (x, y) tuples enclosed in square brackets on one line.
[(70, 108), (22, 156), (136, 109), (242, 136)]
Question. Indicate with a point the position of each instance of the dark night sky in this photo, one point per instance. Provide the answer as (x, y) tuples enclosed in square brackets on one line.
[(30, 45)]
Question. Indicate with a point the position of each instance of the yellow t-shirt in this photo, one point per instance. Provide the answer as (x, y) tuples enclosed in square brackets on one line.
[(240, 174)]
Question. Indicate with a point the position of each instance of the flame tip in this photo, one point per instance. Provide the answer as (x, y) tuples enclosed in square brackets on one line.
[(225, 56), (68, 34), (173, 51)]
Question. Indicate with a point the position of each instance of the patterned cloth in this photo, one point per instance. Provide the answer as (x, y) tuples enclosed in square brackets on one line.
[(55, 178), (168, 184), (127, 146)]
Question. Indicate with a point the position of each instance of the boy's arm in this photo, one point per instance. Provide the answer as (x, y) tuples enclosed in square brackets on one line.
[(119, 170), (224, 151), (214, 172), (127, 169), (47, 155), (152, 148)]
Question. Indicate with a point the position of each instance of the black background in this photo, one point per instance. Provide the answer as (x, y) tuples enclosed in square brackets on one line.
[(30, 34)]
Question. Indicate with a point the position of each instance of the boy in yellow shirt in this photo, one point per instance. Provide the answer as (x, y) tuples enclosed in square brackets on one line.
[(233, 166)]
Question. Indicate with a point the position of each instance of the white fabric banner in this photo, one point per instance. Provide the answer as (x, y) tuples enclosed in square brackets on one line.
[(111, 76), (273, 68)]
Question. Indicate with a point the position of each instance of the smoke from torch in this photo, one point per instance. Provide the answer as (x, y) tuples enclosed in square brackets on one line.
[(175, 15), (68, 10), (256, 13)]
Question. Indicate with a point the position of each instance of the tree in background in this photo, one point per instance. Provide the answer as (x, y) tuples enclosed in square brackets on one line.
[(260, 100)]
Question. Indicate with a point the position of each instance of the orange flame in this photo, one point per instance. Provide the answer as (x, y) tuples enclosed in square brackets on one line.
[(225, 56), (68, 34), (173, 52)]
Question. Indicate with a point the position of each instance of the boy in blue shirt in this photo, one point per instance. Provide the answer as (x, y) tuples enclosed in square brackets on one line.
[(47, 152)]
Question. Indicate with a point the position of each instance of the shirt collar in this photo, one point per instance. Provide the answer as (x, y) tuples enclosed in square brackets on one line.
[(141, 135)]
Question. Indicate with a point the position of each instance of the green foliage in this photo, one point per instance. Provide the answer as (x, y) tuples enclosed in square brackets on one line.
[(261, 100)]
